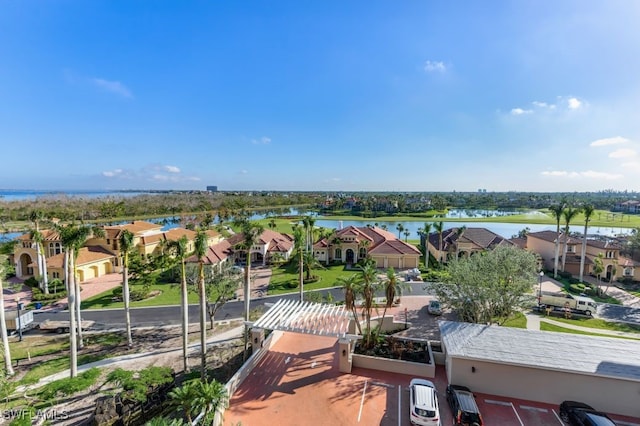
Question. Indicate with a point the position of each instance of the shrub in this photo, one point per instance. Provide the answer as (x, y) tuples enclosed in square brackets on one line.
[(573, 280), (138, 294), (564, 274), (293, 284), (38, 296), (137, 384), (70, 385), (117, 291), (32, 282)]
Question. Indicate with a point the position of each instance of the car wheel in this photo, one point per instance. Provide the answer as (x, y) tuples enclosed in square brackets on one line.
[(564, 416), (587, 313)]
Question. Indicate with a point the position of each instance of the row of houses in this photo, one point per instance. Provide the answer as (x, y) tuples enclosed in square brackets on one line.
[(102, 255), (463, 242)]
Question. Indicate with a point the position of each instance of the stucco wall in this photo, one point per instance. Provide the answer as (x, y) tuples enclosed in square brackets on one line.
[(606, 394), (394, 365)]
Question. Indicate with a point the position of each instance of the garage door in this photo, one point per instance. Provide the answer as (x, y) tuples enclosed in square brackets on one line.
[(393, 262)]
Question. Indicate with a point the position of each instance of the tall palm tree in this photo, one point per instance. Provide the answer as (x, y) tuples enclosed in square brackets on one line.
[(8, 368), (588, 210), (126, 245), (424, 232), (309, 222), (406, 234), (251, 233), (36, 217), (298, 242), (71, 237), (350, 284), (568, 214), (368, 292), (201, 249), (180, 250), (439, 227), (556, 212), (399, 228)]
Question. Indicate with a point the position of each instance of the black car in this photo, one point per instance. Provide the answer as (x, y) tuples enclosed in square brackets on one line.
[(581, 414), (463, 406)]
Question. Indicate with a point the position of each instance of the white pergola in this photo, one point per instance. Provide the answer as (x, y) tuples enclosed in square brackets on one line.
[(306, 317)]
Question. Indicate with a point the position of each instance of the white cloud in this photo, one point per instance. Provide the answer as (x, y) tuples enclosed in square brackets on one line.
[(112, 173), (262, 141), (574, 103), (520, 111), (435, 66), (632, 165), (114, 87), (609, 141), (172, 169), (623, 153), (590, 174), (244, 172)]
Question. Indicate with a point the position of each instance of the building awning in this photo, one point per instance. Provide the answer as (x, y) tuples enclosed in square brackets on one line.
[(306, 317)]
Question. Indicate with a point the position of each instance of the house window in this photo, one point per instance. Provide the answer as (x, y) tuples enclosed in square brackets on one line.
[(338, 254), (55, 248), (108, 241), (55, 274), (26, 244), (571, 249), (610, 255), (362, 252), (628, 271)]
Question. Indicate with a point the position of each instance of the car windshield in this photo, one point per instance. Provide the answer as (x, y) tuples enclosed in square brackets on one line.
[(435, 304), (425, 413), (598, 420)]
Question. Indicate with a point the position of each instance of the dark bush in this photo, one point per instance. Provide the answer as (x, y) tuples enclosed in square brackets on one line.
[(32, 282), (117, 291), (564, 274), (573, 280), (38, 296)]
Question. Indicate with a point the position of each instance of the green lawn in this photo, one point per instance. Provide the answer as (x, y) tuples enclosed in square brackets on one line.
[(56, 365), (286, 274), (600, 324), (169, 295), (552, 327), (518, 320)]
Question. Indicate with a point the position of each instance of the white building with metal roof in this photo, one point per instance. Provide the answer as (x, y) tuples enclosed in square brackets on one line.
[(544, 366)]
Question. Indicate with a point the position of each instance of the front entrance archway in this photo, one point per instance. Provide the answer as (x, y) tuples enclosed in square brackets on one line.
[(350, 256), (23, 264)]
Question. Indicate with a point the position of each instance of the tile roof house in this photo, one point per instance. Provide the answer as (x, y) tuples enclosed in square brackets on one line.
[(462, 242), (543, 243), (352, 243)]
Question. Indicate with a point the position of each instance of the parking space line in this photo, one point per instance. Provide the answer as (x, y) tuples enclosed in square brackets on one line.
[(493, 401), (364, 390), (399, 405), (557, 417), (517, 415), (527, 407)]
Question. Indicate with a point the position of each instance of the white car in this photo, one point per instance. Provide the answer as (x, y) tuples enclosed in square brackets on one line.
[(434, 307), (423, 403)]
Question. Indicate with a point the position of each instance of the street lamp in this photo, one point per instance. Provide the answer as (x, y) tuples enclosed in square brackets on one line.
[(19, 307)]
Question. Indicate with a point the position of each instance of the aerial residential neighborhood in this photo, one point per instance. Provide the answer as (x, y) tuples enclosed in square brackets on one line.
[(320, 213)]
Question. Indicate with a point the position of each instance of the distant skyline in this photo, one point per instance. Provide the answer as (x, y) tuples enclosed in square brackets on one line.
[(370, 95)]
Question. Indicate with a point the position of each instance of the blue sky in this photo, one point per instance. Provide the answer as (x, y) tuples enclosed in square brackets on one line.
[(326, 95)]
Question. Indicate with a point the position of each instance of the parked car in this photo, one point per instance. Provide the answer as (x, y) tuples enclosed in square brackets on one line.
[(434, 307), (580, 414), (423, 403), (463, 406)]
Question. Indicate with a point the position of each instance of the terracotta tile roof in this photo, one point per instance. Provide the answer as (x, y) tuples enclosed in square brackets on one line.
[(47, 234), (215, 254), (86, 255), (605, 245), (625, 262), (481, 237), (551, 237), (136, 227), (212, 233), (394, 247), (519, 242)]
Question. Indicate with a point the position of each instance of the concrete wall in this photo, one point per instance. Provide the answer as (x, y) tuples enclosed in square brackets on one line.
[(395, 365), (606, 394)]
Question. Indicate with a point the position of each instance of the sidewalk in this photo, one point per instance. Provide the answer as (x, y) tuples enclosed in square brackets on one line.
[(627, 299), (89, 289)]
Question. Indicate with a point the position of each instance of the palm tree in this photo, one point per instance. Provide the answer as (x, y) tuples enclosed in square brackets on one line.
[(588, 212), (250, 232), (556, 213), (368, 292), (180, 250), (439, 226), (406, 234), (568, 214), (391, 288), (308, 222), (201, 249), (424, 232), (209, 397), (184, 397), (598, 268), (351, 284), (36, 216), (8, 368), (400, 228), (298, 242), (71, 237), (272, 224), (85, 233), (126, 245)]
